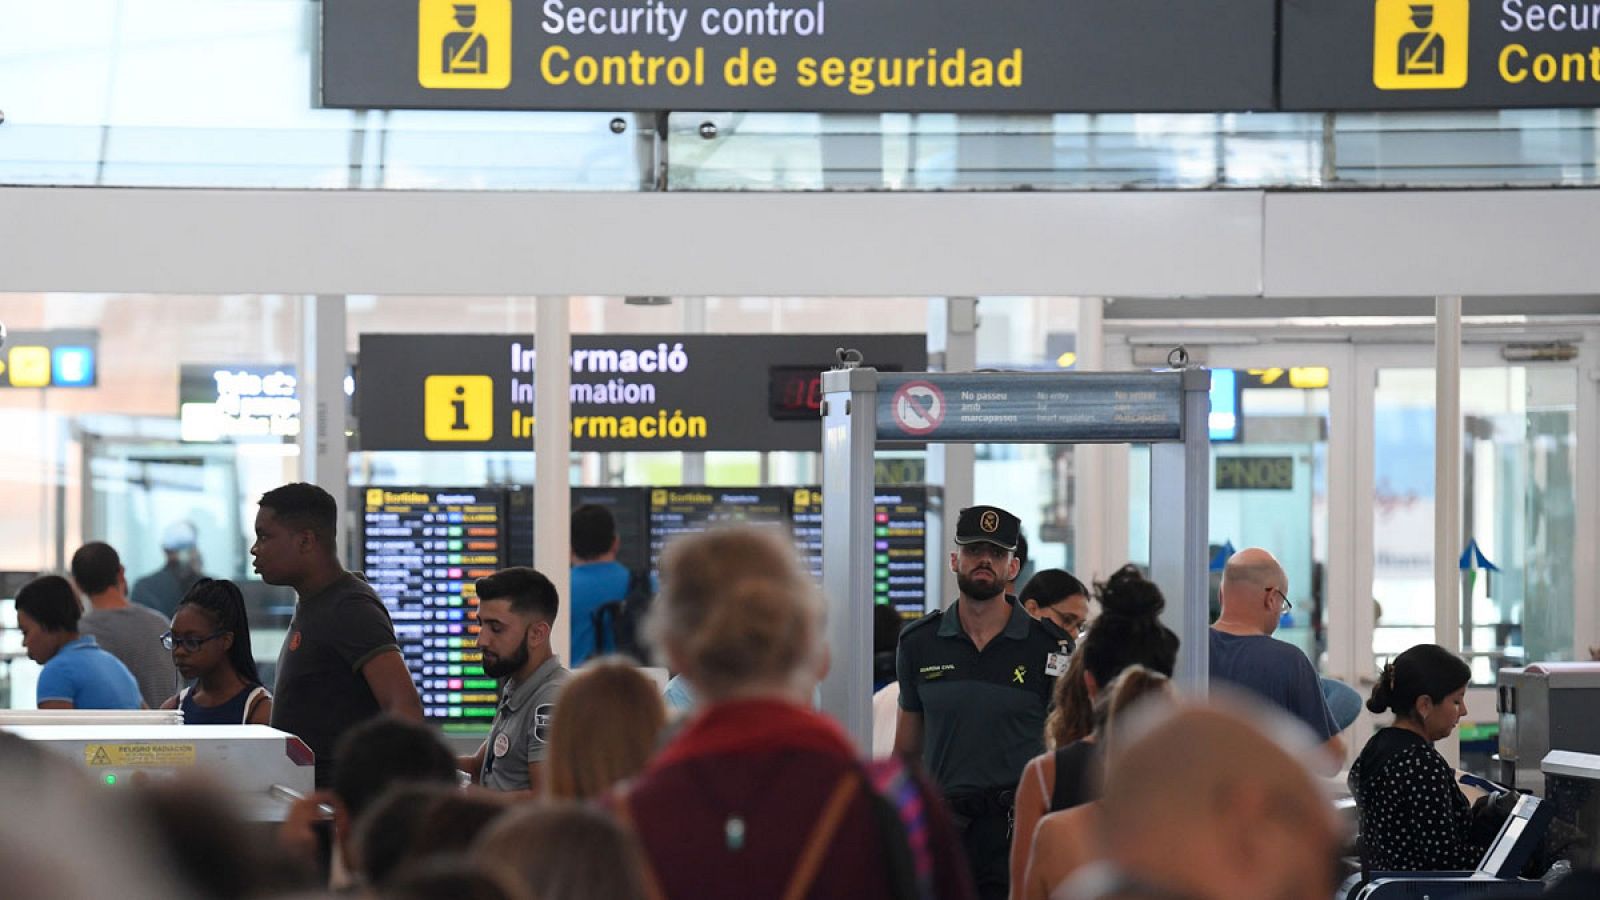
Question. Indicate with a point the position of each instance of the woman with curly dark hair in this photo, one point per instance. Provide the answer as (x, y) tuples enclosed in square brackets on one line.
[(1128, 632)]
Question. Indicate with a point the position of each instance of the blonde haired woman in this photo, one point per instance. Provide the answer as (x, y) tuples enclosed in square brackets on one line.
[(606, 727)]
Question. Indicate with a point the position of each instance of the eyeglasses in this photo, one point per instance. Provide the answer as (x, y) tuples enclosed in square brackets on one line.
[(1286, 604), (171, 642)]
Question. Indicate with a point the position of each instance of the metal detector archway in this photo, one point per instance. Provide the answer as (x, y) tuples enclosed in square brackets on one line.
[(863, 407)]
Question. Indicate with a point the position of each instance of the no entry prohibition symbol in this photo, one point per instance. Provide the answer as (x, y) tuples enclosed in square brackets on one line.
[(918, 407)]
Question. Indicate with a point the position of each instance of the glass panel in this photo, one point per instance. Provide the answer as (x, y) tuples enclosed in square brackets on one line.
[(110, 462), (1269, 488), (1518, 507)]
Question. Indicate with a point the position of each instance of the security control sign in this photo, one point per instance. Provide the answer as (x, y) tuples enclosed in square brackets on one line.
[(627, 392), (800, 55), (1439, 54)]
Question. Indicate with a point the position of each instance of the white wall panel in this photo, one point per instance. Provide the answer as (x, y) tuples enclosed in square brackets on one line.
[(1430, 243), (203, 241)]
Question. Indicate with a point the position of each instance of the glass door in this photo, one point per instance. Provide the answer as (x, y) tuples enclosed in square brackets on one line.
[(1521, 514)]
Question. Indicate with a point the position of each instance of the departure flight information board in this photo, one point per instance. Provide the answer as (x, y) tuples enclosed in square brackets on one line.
[(687, 510), (625, 503), (899, 548), (423, 550)]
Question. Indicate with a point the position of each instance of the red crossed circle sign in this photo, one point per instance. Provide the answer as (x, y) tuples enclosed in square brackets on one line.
[(918, 408)]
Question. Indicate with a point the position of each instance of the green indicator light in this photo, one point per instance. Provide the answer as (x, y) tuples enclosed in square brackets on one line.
[(111, 780), (456, 601), (455, 657), (455, 670), (480, 684), (480, 712), (455, 531), (882, 559), (882, 532), (455, 545)]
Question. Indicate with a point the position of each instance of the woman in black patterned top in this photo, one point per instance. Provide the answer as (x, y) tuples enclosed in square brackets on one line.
[(1413, 815)]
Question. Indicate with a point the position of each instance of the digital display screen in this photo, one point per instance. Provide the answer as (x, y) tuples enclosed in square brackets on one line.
[(899, 548), (423, 549), (688, 510), (1225, 419), (627, 506), (794, 392)]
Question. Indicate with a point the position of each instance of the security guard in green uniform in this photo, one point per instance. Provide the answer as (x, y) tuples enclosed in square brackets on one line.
[(975, 681)]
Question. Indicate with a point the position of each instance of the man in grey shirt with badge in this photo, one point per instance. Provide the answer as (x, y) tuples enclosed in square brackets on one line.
[(516, 609)]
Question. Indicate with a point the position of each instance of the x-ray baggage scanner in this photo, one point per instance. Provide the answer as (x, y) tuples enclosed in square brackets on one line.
[(862, 408), (263, 769)]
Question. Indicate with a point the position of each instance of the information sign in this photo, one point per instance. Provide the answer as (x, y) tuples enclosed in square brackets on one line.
[(628, 392)]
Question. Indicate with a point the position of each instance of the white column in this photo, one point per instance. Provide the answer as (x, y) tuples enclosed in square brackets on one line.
[(324, 457), (1447, 487), (552, 446), (953, 341), (694, 322), (1091, 495)]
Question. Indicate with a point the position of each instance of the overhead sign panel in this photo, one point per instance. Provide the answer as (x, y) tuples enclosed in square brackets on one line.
[(984, 56), (55, 358), (628, 392), (1439, 54), (1078, 407)]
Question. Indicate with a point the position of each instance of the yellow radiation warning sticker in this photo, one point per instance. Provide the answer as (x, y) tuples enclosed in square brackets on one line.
[(155, 755), (1420, 45)]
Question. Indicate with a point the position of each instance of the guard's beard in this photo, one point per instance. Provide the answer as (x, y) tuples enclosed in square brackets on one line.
[(979, 591)]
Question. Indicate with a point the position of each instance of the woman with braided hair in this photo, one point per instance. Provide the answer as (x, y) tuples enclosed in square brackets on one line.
[(210, 643), (1413, 816)]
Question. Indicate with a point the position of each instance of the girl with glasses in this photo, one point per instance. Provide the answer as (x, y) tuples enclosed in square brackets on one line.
[(210, 643)]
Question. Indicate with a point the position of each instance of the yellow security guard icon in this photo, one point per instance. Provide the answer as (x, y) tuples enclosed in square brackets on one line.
[(458, 407), (464, 44), (1420, 45)]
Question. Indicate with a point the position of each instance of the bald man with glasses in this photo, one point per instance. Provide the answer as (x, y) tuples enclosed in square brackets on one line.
[(1255, 595)]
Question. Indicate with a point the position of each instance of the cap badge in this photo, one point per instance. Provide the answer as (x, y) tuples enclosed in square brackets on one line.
[(989, 521)]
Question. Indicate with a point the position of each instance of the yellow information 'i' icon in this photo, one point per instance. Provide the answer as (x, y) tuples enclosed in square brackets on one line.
[(458, 407), (1419, 45), (464, 44)]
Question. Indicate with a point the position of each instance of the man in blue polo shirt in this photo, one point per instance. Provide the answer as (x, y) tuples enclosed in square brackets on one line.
[(77, 674)]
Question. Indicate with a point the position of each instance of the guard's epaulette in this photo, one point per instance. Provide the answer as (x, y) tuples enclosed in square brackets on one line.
[(930, 617)]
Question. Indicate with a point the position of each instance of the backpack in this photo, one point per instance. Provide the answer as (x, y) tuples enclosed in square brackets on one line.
[(619, 625)]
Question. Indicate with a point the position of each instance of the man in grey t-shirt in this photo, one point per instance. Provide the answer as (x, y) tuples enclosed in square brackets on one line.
[(1244, 653), (128, 631), (517, 609)]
